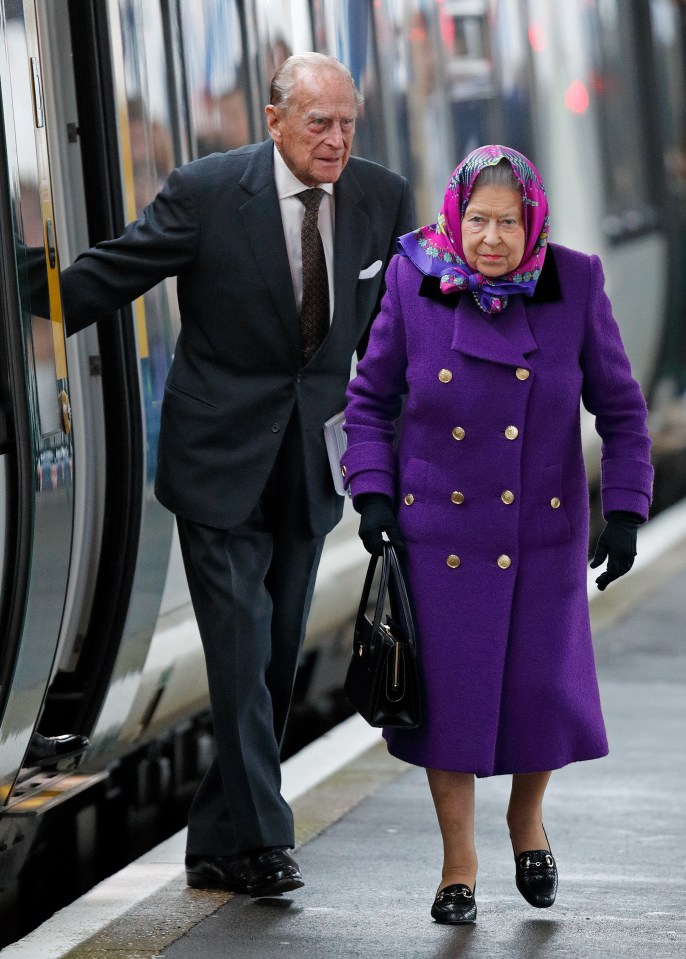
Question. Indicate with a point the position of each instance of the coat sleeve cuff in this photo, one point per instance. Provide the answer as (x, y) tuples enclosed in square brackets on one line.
[(372, 481), (627, 500), (627, 484), (369, 468)]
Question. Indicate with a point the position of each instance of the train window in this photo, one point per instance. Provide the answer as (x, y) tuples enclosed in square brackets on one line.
[(149, 124), (669, 34), (349, 34), (147, 158), (283, 28), (412, 62), (468, 41), (511, 54), (615, 47), (30, 230), (470, 71), (216, 75)]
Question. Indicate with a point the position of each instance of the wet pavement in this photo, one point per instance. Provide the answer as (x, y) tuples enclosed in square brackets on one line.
[(370, 852), (617, 827)]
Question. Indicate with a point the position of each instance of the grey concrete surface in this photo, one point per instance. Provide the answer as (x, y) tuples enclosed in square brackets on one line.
[(617, 827)]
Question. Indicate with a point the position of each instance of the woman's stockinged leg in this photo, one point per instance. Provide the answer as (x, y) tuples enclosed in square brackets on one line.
[(525, 811), (453, 796)]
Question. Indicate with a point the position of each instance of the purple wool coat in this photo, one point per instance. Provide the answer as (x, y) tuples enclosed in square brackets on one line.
[(488, 476)]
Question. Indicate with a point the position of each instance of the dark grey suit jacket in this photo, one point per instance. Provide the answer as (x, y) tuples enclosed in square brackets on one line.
[(236, 376)]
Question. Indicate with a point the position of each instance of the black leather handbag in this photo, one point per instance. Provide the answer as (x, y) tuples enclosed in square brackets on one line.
[(382, 681)]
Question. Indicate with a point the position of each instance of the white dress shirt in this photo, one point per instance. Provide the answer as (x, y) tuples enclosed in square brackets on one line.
[(292, 216)]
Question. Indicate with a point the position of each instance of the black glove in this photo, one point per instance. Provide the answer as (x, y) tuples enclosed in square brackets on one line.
[(377, 516), (617, 544)]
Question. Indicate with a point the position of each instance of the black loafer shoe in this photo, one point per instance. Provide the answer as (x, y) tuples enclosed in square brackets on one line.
[(218, 872), (536, 876), (49, 750), (454, 904), (272, 872)]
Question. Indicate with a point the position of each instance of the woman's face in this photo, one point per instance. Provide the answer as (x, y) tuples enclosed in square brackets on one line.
[(493, 230)]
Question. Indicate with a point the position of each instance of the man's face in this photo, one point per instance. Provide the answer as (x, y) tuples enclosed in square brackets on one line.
[(315, 133)]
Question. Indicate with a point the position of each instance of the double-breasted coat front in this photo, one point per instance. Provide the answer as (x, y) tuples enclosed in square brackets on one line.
[(488, 475)]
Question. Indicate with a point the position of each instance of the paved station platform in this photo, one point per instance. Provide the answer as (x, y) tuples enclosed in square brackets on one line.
[(370, 852)]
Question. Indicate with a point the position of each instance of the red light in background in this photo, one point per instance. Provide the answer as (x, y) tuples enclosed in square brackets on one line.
[(576, 97), (447, 26), (597, 82), (536, 36)]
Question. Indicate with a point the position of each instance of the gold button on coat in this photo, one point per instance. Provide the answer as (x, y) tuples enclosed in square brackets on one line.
[(409, 499), (511, 432), (504, 561), (522, 374), (458, 433), (445, 376), (453, 561), (507, 496), (343, 471), (457, 497), (555, 502)]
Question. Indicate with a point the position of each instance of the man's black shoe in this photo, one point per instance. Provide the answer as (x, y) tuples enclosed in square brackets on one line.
[(219, 872), (272, 872), (49, 750)]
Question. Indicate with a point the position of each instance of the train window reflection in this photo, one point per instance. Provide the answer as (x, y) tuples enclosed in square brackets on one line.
[(669, 32), (216, 78), (283, 28), (615, 81), (511, 55), (30, 206), (466, 37), (422, 145), (149, 115), (147, 157), (349, 34)]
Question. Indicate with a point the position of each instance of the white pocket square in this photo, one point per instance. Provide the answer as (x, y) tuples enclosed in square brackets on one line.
[(370, 270)]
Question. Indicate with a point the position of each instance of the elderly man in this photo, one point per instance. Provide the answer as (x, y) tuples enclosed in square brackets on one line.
[(280, 249)]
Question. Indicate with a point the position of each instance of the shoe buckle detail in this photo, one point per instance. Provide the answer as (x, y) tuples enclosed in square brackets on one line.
[(549, 862), (463, 892)]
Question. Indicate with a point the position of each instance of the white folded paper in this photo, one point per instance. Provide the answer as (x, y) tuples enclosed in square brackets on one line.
[(336, 445)]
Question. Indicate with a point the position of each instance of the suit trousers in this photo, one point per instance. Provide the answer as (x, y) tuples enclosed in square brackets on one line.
[(251, 588)]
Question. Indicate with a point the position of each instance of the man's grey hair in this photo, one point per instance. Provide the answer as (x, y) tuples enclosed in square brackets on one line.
[(281, 91)]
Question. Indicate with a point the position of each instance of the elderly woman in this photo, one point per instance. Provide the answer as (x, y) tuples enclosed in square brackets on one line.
[(494, 337)]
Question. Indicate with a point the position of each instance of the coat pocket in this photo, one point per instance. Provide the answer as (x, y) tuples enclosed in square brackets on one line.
[(174, 390), (412, 498), (552, 517)]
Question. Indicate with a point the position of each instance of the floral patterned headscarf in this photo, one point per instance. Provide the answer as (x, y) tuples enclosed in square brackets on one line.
[(437, 249)]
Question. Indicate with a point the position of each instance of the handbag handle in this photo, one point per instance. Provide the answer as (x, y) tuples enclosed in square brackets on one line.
[(367, 588), (398, 592), (391, 576)]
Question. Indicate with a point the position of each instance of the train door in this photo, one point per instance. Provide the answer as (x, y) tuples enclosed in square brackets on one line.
[(36, 462), (112, 62)]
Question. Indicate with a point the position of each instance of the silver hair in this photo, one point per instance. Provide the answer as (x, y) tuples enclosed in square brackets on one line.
[(281, 91), (499, 174)]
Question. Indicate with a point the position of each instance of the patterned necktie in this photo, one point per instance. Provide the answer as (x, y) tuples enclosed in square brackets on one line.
[(314, 312)]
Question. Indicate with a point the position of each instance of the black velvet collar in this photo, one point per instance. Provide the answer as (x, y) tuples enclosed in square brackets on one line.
[(547, 290)]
